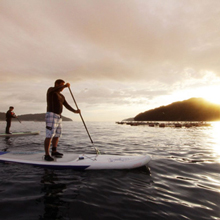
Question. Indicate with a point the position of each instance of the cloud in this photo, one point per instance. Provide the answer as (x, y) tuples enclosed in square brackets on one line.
[(119, 51), (119, 40)]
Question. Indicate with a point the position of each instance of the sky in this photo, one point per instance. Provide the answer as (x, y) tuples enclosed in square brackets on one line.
[(121, 57)]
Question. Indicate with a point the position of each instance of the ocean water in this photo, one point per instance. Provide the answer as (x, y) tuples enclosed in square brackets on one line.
[(181, 182)]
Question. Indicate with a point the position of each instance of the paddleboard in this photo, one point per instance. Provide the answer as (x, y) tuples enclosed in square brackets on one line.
[(20, 134), (77, 161)]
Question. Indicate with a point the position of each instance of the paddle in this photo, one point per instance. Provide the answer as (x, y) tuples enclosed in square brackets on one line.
[(96, 149), (15, 116), (18, 119)]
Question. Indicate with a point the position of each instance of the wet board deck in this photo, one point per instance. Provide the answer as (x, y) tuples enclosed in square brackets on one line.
[(20, 134), (77, 161)]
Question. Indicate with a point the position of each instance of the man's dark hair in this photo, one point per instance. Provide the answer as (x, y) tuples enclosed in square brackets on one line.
[(58, 81)]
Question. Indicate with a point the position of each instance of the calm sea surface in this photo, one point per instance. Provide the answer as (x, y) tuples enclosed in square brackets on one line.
[(181, 182)]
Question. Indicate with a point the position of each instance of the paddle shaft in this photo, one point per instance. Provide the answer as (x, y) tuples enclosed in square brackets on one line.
[(80, 115), (18, 119)]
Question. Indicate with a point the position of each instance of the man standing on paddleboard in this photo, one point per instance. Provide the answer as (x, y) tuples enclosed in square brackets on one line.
[(55, 102), (9, 115)]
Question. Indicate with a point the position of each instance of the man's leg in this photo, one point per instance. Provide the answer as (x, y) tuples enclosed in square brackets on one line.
[(47, 156), (7, 130), (56, 138), (54, 148), (50, 132), (47, 143), (55, 143)]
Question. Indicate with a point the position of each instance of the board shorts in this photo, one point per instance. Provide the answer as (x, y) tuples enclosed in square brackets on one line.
[(53, 125)]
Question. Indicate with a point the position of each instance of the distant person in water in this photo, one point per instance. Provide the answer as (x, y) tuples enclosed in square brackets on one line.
[(55, 102), (9, 115)]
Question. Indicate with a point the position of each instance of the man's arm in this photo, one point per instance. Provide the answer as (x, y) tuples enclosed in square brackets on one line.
[(10, 114), (70, 108), (67, 105)]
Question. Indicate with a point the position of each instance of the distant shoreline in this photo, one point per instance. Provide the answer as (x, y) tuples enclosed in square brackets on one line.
[(194, 109), (31, 117)]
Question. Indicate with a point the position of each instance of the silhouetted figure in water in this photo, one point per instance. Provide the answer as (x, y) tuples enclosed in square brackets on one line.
[(9, 115)]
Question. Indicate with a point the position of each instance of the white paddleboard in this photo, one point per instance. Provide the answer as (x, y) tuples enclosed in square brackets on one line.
[(20, 134), (77, 161)]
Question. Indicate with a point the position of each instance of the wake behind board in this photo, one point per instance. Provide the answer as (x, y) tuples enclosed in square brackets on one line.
[(28, 133), (77, 161)]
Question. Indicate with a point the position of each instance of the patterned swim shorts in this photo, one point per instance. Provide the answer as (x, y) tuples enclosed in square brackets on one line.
[(53, 125)]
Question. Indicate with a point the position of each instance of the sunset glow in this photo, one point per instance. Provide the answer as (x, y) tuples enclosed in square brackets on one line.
[(119, 62), (216, 138), (210, 94)]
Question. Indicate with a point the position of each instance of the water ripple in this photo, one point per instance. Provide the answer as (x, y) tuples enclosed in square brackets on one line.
[(181, 182)]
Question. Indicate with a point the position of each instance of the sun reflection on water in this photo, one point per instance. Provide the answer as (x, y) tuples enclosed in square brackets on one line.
[(216, 138)]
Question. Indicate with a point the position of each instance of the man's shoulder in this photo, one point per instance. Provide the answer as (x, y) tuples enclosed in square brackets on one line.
[(51, 89)]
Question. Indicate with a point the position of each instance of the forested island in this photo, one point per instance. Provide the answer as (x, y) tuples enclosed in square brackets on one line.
[(31, 117), (194, 109)]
